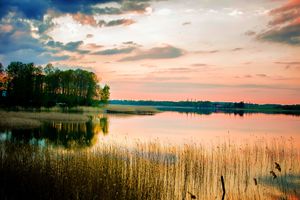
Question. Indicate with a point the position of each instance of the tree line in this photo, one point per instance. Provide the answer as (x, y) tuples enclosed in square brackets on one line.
[(209, 107), (30, 85)]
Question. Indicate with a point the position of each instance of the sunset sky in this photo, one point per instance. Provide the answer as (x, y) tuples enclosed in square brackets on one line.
[(217, 50)]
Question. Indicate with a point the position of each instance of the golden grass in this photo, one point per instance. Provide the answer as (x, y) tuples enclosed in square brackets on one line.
[(18, 123), (125, 109), (150, 171), (33, 119), (81, 109)]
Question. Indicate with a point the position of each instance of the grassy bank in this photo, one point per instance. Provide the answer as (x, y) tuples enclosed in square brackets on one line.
[(150, 171), (124, 109), (25, 120)]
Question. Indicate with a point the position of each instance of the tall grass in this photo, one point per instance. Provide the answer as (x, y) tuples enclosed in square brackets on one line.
[(126, 109), (150, 171), (26, 120), (111, 108)]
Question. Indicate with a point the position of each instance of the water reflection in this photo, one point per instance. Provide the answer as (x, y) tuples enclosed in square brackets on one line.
[(64, 134), (203, 111), (167, 127)]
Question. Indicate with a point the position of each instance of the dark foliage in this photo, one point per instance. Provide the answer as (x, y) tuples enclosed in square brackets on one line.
[(29, 85)]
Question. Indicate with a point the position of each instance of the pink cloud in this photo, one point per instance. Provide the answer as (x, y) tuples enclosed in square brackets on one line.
[(291, 4), (287, 13), (6, 28), (85, 19), (285, 26)]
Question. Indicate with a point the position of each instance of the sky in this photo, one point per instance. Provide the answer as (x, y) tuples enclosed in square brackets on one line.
[(216, 50)]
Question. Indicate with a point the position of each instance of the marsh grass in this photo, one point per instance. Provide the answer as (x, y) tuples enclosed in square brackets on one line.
[(110, 108), (76, 109), (150, 171), (125, 109), (23, 118), (27, 120)]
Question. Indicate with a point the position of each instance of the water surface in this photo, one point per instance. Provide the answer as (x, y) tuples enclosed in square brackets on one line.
[(166, 127)]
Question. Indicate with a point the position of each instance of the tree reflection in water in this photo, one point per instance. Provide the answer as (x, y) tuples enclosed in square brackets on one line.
[(61, 134)]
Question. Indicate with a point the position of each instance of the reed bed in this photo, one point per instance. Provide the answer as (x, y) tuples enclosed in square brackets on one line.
[(76, 109), (26, 120), (125, 109), (151, 171)]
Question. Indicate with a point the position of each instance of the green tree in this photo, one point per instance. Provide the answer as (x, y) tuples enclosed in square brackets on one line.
[(31, 85), (1, 68), (21, 84), (105, 94)]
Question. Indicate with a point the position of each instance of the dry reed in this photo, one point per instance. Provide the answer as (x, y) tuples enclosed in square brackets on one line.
[(150, 171)]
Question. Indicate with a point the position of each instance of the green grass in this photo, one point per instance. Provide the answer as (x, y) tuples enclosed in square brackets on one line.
[(150, 171)]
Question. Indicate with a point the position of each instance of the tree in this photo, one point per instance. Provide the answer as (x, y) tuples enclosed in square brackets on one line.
[(31, 85), (21, 83), (3, 83), (239, 105), (105, 94), (49, 69), (1, 68)]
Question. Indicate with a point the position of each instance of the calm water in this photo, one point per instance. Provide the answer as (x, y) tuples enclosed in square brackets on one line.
[(167, 127)]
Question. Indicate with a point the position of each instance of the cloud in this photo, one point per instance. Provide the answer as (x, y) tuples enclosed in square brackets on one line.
[(36, 9), (290, 5), (285, 25), (20, 45), (262, 75), (186, 23), (288, 35), (115, 51), (6, 28), (89, 35), (71, 46), (237, 49), (250, 33), (135, 6), (165, 52), (149, 65), (167, 86), (288, 63), (93, 46), (131, 43), (85, 19), (199, 65), (31, 55), (285, 17), (218, 51), (107, 11), (124, 22), (31, 9), (208, 52), (18, 37), (189, 69), (180, 69), (90, 20)]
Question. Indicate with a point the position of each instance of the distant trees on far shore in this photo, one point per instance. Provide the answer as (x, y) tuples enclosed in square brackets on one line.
[(30, 85)]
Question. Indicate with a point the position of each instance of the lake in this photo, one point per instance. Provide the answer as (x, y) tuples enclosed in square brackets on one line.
[(169, 155), (165, 127)]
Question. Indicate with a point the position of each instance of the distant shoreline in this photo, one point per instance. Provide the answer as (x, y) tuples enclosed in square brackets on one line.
[(207, 107)]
